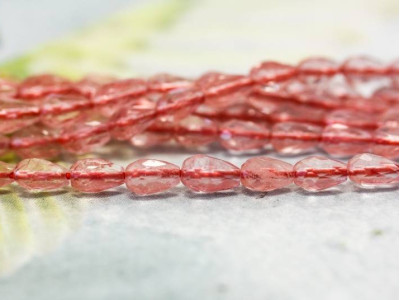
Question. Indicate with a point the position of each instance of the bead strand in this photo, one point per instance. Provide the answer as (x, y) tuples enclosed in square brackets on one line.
[(202, 173)]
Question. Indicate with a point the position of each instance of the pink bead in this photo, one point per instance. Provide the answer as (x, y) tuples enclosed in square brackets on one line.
[(294, 138), (351, 118), (93, 175), (386, 141), (369, 170), (4, 144), (298, 113), (318, 66), (63, 110), (178, 104), (342, 141), (150, 138), (41, 85), (89, 85), (202, 173), (151, 176), (195, 131), (263, 104), (36, 141), (15, 115), (271, 71), (40, 174), (363, 65), (317, 173), (243, 135), (132, 119), (214, 84), (164, 82), (6, 171), (266, 174), (85, 137)]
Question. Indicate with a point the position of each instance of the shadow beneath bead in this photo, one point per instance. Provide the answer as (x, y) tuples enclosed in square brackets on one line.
[(326, 193), (100, 195), (210, 196), (40, 194), (360, 190), (161, 196), (5, 192), (261, 195)]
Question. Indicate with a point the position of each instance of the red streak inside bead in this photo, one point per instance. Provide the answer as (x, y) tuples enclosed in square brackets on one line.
[(213, 174)]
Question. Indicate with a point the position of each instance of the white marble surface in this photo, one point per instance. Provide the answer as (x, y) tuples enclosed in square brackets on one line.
[(289, 244)]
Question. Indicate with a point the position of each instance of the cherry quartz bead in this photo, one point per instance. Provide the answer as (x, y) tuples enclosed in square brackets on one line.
[(343, 141), (40, 174), (151, 176), (271, 71), (266, 174), (318, 66), (386, 141), (133, 119), (164, 82), (6, 171), (93, 175), (15, 114), (369, 170), (36, 141), (295, 138), (41, 85), (240, 135), (202, 173), (150, 139), (195, 131), (317, 173)]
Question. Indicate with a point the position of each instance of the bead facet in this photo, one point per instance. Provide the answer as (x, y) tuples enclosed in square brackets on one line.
[(266, 174), (202, 173), (317, 173), (151, 176)]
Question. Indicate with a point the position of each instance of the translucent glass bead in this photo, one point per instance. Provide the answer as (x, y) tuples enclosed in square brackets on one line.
[(342, 141), (63, 110), (369, 170), (243, 135), (318, 66), (36, 141), (133, 119), (195, 131), (164, 82), (85, 137), (202, 173), (386, 141), (6, 171), (271, 71), (41, 85), (266, 174), (40, 174), (294, 138), (151, 176), (317, 173), (93, 175), (15, 114), (89, 85), (351, 118), (150, 138)]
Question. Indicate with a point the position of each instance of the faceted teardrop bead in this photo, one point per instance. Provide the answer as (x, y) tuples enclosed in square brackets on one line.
[(93, 175), (266, 174), (342, 141), (263, 104), (163, 82), (351, 118), (369, 170), (36, 141), (89, 85), (85, 137), (15, 114), (41, 85), (40, 174), (215, 84), (111, 96), (294, 138), (243, 135), (63, 110), (226, 100), (271, 71), (132, 119), (4, 144), (176, 105), (150, 138), (6, 171), (386, 141), (298, 113), (318, 66), (195, 131), (317, 173), (202, 173), (151, 176)]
